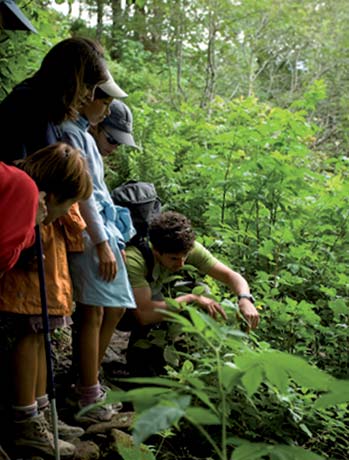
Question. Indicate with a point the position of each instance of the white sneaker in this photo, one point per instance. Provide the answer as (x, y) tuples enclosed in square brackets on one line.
[(102, 413), (116, 406)]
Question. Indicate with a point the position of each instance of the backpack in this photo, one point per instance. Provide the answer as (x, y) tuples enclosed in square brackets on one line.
[(143, 202)]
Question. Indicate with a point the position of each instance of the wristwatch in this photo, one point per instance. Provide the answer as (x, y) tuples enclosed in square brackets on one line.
[(246, 296)]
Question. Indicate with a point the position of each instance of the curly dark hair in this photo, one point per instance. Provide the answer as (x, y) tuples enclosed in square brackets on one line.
[(171, 232)]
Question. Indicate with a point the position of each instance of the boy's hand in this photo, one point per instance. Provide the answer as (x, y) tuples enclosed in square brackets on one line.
[(250, 313)]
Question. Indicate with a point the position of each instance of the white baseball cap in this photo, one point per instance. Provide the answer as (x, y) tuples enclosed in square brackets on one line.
[(111, 88)]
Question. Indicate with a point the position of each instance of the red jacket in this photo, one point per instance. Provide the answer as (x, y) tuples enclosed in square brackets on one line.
[(19, 197)]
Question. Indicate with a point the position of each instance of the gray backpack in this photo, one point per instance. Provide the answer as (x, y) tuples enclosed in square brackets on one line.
[(143, 202)]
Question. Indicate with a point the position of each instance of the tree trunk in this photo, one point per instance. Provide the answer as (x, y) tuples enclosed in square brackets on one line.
[(100, 14), (115, 48), (180, 33), (211, 63)]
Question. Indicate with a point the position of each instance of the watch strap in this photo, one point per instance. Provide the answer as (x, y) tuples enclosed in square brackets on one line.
[(246, 296)]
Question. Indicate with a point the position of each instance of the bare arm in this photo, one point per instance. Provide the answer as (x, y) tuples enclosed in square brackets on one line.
[(90, 212), (238, 285), (146, 307)]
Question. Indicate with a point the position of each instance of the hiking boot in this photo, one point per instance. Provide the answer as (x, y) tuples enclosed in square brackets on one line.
[(65, 431), (33, 432)]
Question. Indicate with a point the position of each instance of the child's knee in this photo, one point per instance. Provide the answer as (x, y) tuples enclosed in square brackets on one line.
[(91, 315)]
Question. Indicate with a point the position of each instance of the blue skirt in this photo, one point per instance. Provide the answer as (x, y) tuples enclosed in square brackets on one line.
[(89, 287)]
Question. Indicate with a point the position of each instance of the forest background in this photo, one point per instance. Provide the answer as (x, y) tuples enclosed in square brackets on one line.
[(241, 114)]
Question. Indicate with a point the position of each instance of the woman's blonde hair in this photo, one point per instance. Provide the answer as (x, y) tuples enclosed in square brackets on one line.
[(61, 170)]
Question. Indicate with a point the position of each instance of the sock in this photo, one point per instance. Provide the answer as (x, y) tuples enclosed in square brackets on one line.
[(24, 412), (43, 402), (89, 394)]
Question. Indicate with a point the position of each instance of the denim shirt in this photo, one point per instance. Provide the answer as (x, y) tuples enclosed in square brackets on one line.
[(99, 210)]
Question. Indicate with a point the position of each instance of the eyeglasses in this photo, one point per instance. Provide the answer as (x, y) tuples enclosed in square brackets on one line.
[(110, 139)]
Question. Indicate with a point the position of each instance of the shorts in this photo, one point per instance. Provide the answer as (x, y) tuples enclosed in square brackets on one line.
[(14, 326)]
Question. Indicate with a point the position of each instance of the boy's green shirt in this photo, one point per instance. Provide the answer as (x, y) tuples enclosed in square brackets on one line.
[(199, 257)]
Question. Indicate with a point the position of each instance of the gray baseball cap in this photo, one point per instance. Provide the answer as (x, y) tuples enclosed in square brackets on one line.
[(119, 124)]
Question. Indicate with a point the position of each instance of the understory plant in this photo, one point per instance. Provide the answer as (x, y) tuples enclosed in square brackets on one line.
[(245, 399)]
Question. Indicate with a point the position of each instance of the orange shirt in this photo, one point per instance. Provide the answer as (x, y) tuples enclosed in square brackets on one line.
[(20, 288)]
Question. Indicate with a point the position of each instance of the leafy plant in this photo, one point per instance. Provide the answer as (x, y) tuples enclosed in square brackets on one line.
[(223, 368)]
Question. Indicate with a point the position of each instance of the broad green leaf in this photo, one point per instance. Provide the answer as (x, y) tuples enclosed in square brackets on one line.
[(234, 333), (144, 344), (170, 355), (158, 418), (252, 379), (199, 290), (298, 369), (338, 307), (305, 374), (205, 399), (162, 381), (277, 377), (247, 359), (230, 376), (141, 452), (306, 430), (338, 393), (172, 303), (196, 382), (158, 338), (280, 452), (142, 398), (275, 374), (255, 451), (198, 320), (250, 451), (202, 416), (178, 319), (187, 367)]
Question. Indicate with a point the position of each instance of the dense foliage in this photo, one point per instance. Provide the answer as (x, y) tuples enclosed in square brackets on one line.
[(240, 110)]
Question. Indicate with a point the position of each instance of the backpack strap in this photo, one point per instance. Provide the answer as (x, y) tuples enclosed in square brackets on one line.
[(147, 253)]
